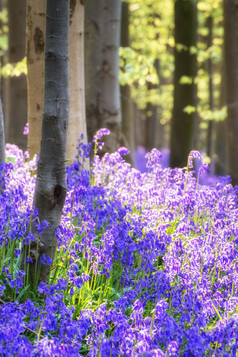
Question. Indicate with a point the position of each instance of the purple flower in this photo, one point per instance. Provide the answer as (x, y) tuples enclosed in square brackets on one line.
[(26, 129), (100, 133), (2, 288), (45, 259), (203, 168), (160, 309), (153, 158), (173, 348), (123, 151), (194, 154)]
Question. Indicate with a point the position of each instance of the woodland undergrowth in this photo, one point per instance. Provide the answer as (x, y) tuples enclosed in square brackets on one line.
[(147, 263)]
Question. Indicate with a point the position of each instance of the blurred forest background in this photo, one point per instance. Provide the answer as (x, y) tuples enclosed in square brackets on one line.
[(157, 73)]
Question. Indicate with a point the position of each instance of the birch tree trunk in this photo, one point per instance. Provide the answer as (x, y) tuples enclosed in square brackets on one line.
[(35, 33), (50, 191), (77, 124), (35, 65), (16, 89)]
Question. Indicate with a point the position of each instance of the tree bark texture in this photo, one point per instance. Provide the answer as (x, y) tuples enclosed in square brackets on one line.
[(16, 88), (51, 187), (183, 123), (221, 129), (2, 136), (77, 124), (210, 131), (231, 69), (128, 124), (2, 62), (35, 33), (35, 66), (102, 41)]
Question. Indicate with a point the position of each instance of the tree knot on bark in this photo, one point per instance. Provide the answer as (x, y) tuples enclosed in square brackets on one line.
[(39, 41), (59, 194), (72, 8), (36, 248), (51, 54), (105, 66)]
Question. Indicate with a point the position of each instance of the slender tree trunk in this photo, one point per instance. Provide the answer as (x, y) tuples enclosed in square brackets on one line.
[(93, 60), (16, 91), (231, 55), (221, 129), (35, 64), (35, 34), (2, 62), (183, 123), (110, 106), (154, 131), (50, 191), (161, 136), (77, 124), (150, 122), (210, 138), (128, 124), (2, 136), (102, 41)]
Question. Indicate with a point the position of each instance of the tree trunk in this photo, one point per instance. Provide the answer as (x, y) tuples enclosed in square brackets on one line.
[(2, 62), (2, 136), (210, 136), (102, 41), (231, 55), (35, 34), (128, 124), (150, 122), (221, 129), (183, 122), (16, 91), (77, 124), (93, 60), (51, 188), (35, 65), (154, 131)]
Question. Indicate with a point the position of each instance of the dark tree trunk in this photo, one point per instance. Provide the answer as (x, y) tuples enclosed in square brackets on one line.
[(16, 91), (231, 66), (221, 148), (210, 139), (51, 187), (2, 136), (102, 41), (183, 123)]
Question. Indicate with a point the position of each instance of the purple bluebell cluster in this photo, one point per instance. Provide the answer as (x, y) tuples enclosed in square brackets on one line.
[(147, 263)]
